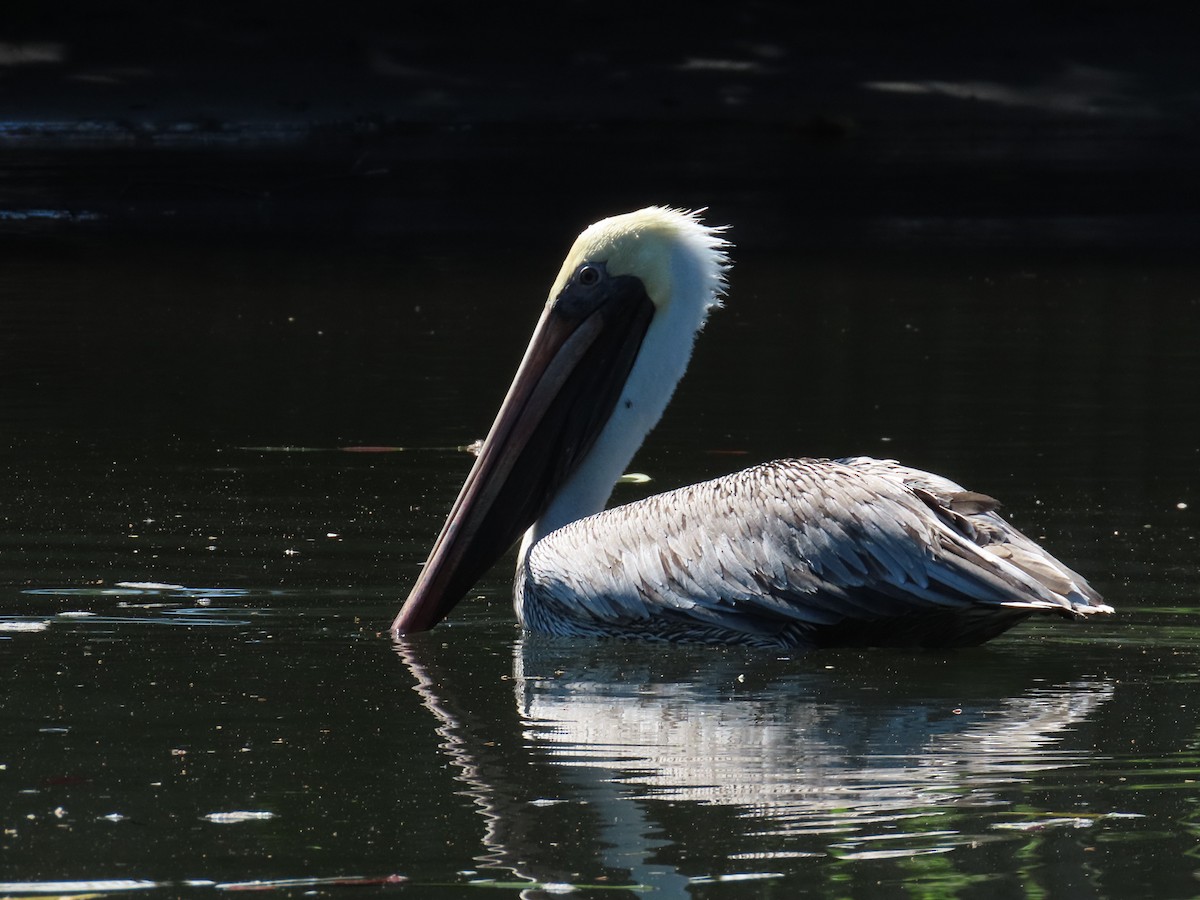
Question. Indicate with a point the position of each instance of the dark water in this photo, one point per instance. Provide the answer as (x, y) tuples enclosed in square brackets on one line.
[(197, 565)]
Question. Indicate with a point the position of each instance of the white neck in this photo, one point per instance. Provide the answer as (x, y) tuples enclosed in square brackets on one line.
[(696, 278)]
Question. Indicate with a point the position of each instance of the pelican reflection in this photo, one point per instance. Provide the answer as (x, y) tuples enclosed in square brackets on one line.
[(612, 759)]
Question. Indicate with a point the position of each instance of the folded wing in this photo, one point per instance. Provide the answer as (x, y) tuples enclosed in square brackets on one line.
[(800, 552)]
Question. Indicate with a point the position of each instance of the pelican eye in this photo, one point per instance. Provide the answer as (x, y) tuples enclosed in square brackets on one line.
[(585, 291), (588, 275)]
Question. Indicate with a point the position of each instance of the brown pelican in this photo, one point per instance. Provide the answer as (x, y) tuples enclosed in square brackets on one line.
[(793, 553)]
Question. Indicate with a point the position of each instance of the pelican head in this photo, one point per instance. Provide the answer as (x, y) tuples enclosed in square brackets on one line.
[(613, 340)]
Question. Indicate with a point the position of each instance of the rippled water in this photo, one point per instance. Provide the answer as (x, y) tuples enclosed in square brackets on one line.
[(223, 466)]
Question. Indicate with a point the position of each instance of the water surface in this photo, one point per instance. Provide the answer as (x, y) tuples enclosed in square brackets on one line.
[(223, 462)]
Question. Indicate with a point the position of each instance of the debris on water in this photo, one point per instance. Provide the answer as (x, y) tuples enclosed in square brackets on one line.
[(734, 876), (75, 888), (1042, 824), (285, 883), (362, 448), (1077, 821), (552, 887), (237, 816), (49, 215), (23, 625)]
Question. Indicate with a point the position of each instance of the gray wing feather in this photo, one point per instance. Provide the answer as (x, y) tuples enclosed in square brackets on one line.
[(805, 543)]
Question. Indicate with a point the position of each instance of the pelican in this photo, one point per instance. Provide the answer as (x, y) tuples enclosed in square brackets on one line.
[(796, 553)]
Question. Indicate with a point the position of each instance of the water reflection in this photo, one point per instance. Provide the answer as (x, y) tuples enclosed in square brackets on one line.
[(672, 766)]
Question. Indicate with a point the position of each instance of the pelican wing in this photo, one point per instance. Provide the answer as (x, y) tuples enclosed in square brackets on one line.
[(800, 552)]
